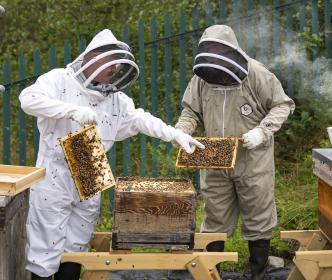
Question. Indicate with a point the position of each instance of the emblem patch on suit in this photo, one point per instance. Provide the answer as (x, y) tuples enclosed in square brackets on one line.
[(246, 109)]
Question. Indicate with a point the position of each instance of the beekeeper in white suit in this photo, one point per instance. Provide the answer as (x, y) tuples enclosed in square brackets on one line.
[(232, 95), (86, 91)]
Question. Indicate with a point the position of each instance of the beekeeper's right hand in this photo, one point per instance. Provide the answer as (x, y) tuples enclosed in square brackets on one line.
[(83, 115)]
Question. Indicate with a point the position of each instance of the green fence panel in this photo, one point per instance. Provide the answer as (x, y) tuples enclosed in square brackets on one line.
[(250, 25), (208, 14), (168, 76), (67, 54), (154, 92), (276, 35), (222, 11), (315, 31), (142, 103), (264, 33), (51, 58), (126, 142), (81, 44), (302, 22), (6, 113), (37, 70), (194, 25), (235, 16), (182, 57), (21, 115), (289, 37), (327, 29)]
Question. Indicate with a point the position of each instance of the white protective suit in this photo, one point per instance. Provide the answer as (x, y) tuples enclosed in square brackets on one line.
[(57, 220)]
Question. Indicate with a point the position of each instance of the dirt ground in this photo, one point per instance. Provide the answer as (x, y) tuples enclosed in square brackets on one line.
[(273, 274)]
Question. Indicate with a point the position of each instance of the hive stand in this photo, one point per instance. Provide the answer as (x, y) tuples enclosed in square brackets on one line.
[(311, 261), (199, 263)]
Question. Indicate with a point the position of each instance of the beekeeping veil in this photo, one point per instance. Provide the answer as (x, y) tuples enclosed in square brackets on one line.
[(105, 53), (219, 59)]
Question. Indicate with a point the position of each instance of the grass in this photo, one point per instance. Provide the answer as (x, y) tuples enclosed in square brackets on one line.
[(296, 199)]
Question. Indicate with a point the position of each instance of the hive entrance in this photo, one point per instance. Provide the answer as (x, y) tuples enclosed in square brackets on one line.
[(219, 153)]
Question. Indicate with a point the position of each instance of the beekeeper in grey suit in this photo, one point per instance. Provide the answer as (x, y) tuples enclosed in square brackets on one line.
[(232, 95)]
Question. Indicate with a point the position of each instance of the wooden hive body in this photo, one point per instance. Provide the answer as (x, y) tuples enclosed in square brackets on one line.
[(154, 213), (322, 168)]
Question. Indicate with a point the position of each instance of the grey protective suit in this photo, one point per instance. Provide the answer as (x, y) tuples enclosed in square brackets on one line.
[(231, 111)]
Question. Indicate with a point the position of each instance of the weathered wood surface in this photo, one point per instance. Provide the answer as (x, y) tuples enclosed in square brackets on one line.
[(161, 219), (322, 164), (13, 213)]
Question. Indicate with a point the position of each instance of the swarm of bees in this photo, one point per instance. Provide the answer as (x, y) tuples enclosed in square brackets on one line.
[(218, 153), (87, 162), (156, 185)]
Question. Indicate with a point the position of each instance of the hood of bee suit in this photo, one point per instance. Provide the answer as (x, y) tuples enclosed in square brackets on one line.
[(105, 53), (220, 60)]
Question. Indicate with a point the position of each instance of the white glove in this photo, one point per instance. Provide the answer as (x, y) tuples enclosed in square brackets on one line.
[(253, 138), (83, 115), (187, 143)]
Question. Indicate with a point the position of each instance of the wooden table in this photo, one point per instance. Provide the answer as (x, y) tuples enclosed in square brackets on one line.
[(313, 261)]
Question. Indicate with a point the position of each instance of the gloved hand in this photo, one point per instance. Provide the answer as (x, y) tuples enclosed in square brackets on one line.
[(83, 115), (188, 143), (253, 138)]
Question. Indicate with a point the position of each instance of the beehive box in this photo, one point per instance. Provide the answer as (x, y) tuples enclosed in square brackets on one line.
[(322, 168), (219, 153), (154, 213), (87, 162)]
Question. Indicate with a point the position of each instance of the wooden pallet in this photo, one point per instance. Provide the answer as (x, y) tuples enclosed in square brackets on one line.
[(311, 261), (199, 263)]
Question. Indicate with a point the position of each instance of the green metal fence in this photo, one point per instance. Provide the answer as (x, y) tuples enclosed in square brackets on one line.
[(165, 53)]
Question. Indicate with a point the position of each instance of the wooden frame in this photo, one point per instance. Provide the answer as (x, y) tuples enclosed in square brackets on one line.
[(102, 182), (199, 263), (15, 179), (311, 261), (236, 143)]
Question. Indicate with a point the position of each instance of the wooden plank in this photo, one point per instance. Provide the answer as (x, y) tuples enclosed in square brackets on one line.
[(303, 236), (197, 269), (131, 261), (309, 240), (203, 239)]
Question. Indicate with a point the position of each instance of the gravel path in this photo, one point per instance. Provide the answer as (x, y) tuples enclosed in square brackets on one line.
[(273, 274)]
